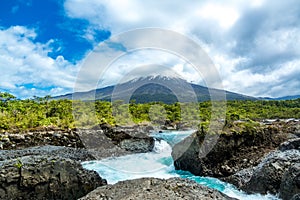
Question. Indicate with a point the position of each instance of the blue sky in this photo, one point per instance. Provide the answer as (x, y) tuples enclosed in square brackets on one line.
[(255, 45), (49, 21)]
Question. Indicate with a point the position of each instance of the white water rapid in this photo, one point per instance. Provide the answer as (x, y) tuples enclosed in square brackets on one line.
[(159, 164)]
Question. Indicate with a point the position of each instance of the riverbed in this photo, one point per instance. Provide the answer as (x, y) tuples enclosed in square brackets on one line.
[(159, 164)]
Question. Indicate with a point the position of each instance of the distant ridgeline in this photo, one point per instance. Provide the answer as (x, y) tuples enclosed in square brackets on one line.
[(157, 89)]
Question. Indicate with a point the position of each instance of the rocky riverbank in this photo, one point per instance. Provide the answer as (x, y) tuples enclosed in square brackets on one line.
[(39, 137), (76, 154), (153, 188), (233, 151), (248, 159), (55, 172), (277, 173), (103, 140), (46, 173), (46, 163)]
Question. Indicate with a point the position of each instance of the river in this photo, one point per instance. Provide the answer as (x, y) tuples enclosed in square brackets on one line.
[(159, 164)]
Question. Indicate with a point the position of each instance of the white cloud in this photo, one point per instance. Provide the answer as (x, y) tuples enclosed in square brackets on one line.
[(284, 80), (140, 63), (122, 15), (225, 16), (25, 62), (252, 43), (144, 47)]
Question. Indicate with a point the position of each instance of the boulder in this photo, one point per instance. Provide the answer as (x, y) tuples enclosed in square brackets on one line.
[(267, 176), (107, 142), (240, 178), (138, 145), (45, 177), (278, 172), (133, 139), (101, 146), (232, 152), (296, 197), (153, 188), (290, 184), (290, 144)]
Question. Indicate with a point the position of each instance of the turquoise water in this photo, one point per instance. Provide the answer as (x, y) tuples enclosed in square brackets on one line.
[(159, 164)]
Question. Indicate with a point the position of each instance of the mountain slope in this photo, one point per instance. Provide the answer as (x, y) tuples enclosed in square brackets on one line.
[(288, 97), (156, 88)]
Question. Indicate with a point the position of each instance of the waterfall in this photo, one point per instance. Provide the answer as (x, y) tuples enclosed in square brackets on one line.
[(159, 164)]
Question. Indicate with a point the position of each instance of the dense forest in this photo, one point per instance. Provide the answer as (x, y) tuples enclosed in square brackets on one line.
[(21, 115)]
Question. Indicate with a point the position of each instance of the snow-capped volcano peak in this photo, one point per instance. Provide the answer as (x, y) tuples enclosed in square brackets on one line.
[(151, 72), (156, 77)]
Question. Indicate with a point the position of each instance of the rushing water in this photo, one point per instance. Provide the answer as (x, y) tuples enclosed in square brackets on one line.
[(159, 164)]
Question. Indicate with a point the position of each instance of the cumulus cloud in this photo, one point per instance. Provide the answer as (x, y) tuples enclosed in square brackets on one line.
[(141, 63), (254, 44), (158, 48), (26, 68)]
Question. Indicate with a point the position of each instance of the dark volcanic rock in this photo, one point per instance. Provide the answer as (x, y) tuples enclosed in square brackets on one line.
[(102, 139), (152, 188), (100, 145), (63, 152), (45, 177), (134, 139), (40, 137), (296, 197), (267, 176), (291, 144), (240, 178), (290, 184), (278, 172), (137, 145), (106, 141), (232, 152)]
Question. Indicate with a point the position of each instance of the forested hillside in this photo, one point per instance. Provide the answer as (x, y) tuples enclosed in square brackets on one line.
[(20, 115)]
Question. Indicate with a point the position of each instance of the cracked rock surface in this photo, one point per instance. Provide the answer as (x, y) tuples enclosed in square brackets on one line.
[(153, 188), (45, 177)]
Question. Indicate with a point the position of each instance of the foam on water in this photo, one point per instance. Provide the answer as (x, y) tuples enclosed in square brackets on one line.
[(224, 187), (159, 164), (172, 137)]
